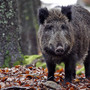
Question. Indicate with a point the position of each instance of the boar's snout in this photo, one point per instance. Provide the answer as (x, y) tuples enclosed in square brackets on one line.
[(59, 50)]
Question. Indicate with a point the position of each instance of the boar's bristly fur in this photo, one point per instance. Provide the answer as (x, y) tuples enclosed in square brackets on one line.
[(64, 36)]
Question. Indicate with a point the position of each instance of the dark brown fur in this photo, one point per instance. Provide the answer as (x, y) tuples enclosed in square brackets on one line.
[(64, 36)]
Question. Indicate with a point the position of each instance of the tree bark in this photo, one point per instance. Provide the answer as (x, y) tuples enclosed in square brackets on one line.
[(9, 33), (28, 22)]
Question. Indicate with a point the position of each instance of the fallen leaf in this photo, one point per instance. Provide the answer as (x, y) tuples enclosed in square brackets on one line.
[(17, 66), (29, 76)]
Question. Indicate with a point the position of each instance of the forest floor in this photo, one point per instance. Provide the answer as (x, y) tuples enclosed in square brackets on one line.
[(32, 78)]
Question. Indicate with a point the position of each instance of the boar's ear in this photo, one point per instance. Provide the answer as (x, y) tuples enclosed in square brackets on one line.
[(42, 15), (67, 12)]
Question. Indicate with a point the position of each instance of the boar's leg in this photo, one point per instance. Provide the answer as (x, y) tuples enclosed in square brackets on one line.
[(51, 69), (70, 71), (87, 65)]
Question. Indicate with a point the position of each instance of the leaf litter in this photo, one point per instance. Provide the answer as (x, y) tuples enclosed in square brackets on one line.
[(32, 78)]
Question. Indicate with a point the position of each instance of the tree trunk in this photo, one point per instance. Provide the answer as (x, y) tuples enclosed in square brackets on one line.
[(9, 33), (28, 21)]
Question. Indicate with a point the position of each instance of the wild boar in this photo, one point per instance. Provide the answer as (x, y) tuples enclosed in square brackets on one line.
[(64, 36)]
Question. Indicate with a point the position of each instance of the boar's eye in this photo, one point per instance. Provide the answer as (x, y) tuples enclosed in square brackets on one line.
[(64, 27), (48, 27)]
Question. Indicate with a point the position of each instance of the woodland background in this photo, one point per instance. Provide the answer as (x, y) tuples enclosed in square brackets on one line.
[(18, 30), (20, 53)]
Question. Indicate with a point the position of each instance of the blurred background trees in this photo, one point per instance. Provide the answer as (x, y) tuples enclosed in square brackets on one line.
[(19, 26), (28, 25)]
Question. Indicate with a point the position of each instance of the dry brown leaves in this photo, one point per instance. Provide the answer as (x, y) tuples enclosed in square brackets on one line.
[(33, 78)]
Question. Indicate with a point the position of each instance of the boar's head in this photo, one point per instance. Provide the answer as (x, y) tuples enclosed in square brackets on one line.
[(56, 36)]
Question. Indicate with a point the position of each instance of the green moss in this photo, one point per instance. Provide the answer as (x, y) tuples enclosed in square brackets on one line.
[(7, 59), (61, 65), (79, 72), (19, 62), (30, 59), (27, 17), (27, 60), (40, 64)]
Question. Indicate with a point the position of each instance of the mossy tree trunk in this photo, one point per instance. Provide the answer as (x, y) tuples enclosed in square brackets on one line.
[(9, 33), (29, 25)]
